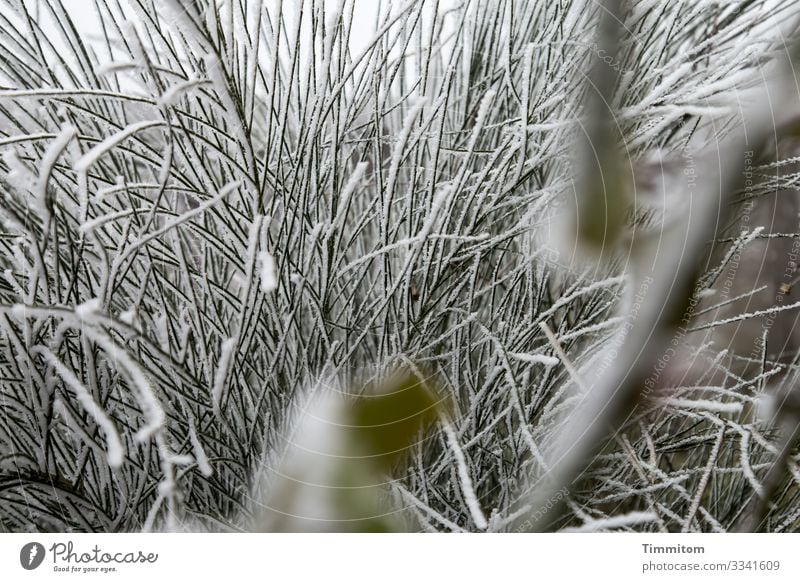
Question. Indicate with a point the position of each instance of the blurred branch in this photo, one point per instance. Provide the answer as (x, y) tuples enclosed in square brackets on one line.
[(606, 185), (671, 266)]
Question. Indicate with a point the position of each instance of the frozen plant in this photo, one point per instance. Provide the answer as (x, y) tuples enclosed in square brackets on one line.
[(206, 207)]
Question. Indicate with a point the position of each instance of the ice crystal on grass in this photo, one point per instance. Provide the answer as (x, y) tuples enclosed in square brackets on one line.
[(206, 207)]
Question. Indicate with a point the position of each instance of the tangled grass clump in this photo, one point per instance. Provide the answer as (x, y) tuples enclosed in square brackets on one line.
[(215, 204)]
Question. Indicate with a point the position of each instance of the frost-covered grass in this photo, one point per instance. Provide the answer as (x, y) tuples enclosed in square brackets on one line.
[(210, 208)]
